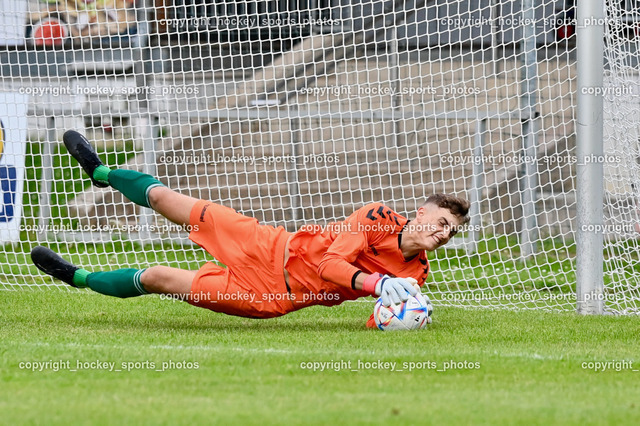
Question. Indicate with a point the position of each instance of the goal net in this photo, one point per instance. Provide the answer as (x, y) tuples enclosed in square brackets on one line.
[(621, 101), (299, 112)]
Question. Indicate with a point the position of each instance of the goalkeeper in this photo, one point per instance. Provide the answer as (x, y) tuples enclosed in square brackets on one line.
[(269, 272)]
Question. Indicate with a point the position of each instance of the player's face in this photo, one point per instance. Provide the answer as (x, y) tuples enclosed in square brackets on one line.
[(435, 226)]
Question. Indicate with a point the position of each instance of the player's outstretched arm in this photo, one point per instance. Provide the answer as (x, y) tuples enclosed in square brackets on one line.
[(337, 263)]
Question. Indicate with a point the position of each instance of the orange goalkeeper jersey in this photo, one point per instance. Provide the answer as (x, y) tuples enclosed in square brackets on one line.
[(367, 241)]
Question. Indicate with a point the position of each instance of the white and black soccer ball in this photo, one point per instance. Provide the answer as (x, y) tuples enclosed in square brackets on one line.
[(413, 314)]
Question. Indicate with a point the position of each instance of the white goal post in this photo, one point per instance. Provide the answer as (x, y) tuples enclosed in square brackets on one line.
[(301, 111)]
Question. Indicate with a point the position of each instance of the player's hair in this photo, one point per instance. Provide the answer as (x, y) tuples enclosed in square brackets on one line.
[(456, 205)]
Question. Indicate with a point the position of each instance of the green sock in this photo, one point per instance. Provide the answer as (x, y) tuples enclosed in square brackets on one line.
[(101, 174), (120, 283), (80, 278), (133, 185)]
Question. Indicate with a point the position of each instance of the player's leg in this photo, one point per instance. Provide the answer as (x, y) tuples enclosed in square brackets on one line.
[(142, 189), (215, 289), (121, 283), (166, 280), (171, 204)]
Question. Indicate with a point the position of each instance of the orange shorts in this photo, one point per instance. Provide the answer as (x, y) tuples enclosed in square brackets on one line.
[(252, 284)]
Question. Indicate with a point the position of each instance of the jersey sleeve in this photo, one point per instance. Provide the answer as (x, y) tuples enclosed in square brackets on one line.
[(336, 264), (363, 228)]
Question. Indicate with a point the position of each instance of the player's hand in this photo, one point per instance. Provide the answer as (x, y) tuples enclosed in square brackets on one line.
[(395, 290), (414, 283)]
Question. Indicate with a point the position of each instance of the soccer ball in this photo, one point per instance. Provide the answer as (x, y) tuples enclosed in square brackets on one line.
[(413, 314)]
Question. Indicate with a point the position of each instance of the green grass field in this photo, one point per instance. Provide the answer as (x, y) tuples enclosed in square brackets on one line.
[(470, 366), (72, 357)]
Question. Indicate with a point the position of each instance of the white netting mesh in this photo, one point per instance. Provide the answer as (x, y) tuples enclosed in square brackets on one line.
[(622, 150), (302, 111)]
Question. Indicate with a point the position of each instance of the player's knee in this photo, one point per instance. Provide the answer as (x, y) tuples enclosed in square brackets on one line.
[(158, 195), (154, 279)]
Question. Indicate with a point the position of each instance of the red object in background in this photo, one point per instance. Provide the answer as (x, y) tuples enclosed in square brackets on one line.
[(565, 31), (49, 32)]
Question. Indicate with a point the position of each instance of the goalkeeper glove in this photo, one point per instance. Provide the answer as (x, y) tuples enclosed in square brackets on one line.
[(391, 290)]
